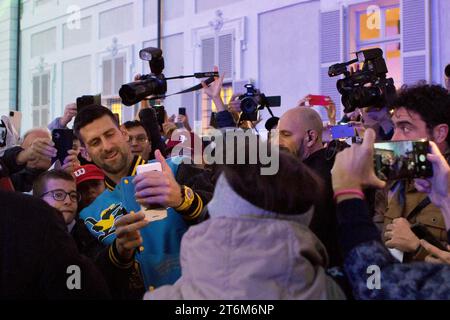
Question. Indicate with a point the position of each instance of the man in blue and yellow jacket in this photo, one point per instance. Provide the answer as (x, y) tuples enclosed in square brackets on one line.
[(182, 188)]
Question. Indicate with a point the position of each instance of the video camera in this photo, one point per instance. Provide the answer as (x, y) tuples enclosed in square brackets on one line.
[(150, 84), (155, 83), (367, 87), (253, 100)]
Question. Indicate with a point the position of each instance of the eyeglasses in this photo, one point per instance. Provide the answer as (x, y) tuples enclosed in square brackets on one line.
[(61, 195), (139, 139)]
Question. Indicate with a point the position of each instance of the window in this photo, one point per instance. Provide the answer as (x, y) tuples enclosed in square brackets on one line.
[(376, 24), (223, 58), (113, 75), (41, 99)]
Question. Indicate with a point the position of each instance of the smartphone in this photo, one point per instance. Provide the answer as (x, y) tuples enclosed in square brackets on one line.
[(63, 139), (422, 232), (342, 131), (16, 119), (315, 100), (152, 212), (86, 101), (397, 160), (182, 111), (160, 114)]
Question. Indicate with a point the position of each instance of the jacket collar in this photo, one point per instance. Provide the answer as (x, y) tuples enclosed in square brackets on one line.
[(137, 161)]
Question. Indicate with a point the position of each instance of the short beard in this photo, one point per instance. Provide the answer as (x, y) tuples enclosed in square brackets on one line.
[(120, 166)]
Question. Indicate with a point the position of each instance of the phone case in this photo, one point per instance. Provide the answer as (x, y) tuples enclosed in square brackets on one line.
[(63, 139)]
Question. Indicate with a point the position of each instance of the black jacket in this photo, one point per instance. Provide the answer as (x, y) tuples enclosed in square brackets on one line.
[(36, 253), (324, 221), (151, 126)]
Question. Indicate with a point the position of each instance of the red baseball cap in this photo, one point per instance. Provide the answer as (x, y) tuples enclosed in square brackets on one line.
[(88, 172)]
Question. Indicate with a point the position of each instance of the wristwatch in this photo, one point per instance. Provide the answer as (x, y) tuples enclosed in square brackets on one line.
[(188, 197)]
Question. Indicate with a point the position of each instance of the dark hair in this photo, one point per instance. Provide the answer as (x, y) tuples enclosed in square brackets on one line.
[(133, 124), (40, 182), (89, 115), (447, 70), (431, 102), (292, 190)]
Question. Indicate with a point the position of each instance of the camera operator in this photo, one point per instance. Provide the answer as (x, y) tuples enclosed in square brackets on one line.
[(300, 132), (352, 172), (224, 118), (420, 112)]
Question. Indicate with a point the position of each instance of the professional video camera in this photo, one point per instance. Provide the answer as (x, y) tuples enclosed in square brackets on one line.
[(253, 100), (367, 87), (155, 83)]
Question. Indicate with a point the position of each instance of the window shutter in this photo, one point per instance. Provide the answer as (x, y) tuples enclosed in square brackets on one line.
[(45, 92), (415, 48), (330, 53), (36, 91), (208, 52), (226, 55), (107, 77), (119, 70)]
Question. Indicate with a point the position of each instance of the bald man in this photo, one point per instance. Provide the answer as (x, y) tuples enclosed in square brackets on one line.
[(300, 133)]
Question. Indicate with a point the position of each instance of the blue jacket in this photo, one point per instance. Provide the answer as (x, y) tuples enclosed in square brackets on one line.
[(159, 255)]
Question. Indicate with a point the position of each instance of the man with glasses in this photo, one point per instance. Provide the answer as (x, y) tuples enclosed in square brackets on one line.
[(58, 188), (139, 142)]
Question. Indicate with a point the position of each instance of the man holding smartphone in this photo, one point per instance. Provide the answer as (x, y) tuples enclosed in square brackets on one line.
[(420, 112)]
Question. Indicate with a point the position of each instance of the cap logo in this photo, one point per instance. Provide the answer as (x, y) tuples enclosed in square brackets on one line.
[(80, 172)]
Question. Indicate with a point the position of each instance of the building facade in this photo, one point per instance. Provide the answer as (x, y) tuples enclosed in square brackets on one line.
[(72, 48), (9, 18)]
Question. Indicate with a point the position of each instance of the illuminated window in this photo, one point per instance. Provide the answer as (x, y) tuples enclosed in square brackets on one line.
[(376, 24), (207, 106), (116, 108)]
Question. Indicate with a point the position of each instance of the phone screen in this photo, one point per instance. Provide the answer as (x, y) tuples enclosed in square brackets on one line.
[(182, 111), (63, 139), (397, 160), (342, 131)]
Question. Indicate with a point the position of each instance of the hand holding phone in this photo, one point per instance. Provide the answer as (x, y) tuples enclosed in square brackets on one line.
[(396, 160), (154, 212), (63, 140), (318, 100)]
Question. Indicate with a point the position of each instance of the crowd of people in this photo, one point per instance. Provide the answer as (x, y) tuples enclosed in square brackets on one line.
[(92, 227)]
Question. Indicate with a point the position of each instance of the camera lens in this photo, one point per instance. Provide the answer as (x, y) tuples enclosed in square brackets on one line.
[(248, 105)]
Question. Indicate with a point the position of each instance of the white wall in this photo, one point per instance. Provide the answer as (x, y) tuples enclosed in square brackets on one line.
[(8, 47)]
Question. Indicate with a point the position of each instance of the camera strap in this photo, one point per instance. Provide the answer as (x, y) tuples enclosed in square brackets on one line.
[(422, 205)]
